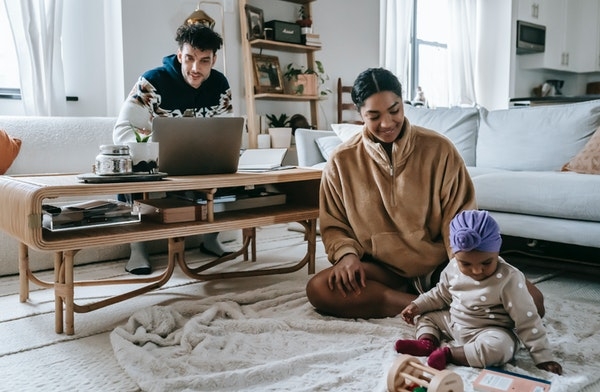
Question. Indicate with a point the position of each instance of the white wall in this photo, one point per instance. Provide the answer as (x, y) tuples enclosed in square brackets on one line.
[(494, 69)]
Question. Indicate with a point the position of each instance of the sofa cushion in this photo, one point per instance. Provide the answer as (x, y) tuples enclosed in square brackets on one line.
[(553, 194), (345, 130), (58, 144), (327, 144), (587, 161), (457, 124), (9, 149), (475, 171), (535, 138)]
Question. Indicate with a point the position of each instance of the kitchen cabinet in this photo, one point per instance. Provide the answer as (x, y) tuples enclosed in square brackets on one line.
[(532, 11), (583, 36), (572, 36), (556, 55)]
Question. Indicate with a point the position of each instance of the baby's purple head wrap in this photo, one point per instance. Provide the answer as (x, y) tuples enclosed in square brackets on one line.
[(474, 230)]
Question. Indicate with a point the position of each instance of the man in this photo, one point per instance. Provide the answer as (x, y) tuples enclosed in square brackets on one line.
[(185, 85)]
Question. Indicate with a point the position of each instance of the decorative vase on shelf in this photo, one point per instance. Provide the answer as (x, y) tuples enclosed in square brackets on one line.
[(303, 84), (281, 137), (144, 156)]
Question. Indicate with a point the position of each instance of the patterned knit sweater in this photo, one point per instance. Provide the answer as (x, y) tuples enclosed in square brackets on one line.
[(163, 91)]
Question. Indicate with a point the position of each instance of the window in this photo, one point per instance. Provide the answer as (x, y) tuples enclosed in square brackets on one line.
[(9, 71), (429, 52)]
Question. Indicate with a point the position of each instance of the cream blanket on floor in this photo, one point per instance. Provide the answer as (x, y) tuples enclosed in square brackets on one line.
[(271, 339)]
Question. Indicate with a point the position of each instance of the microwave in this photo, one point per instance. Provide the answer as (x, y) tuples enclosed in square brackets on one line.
[(531, 37)]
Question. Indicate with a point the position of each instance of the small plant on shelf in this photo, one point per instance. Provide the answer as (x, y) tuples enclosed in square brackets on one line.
[(294, 72), (304, 19), (280, 121)]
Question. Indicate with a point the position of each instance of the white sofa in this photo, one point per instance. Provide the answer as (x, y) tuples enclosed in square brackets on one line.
[(63, 145), (515, 158)]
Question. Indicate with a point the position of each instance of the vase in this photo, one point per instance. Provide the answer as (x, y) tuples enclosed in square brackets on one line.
[(280, 137), (263, 140), (144, 157), (304, 84)]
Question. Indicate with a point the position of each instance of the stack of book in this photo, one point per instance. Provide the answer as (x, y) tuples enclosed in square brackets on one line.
[(87, 214), (311, 39)]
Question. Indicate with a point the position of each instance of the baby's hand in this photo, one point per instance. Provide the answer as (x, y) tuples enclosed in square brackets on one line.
[(409, 313), (550, 366)]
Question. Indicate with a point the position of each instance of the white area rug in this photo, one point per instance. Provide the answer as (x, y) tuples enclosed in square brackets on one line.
[(271, 339)]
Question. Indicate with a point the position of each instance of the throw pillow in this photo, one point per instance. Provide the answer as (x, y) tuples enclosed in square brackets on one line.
[(9, 148), (459, 124), (346, 130), (327, 144), (587, 161)]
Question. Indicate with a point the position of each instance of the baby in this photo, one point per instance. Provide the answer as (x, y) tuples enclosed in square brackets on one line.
[(481, 302)]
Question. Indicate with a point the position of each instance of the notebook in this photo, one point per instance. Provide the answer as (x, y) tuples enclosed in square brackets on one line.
[(262, 159), (198, 145)]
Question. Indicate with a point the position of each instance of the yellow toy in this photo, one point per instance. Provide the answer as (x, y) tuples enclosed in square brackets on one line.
[(407, 371)]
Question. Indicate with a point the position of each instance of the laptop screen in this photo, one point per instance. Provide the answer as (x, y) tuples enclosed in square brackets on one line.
[(198, 145)]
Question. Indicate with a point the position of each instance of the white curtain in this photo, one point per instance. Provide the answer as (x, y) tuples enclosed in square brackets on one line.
[(396, 20), (396, 17), (462, 52), (36, 27)]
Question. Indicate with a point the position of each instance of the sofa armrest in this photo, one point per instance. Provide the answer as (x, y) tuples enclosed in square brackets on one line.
[(306, 146)]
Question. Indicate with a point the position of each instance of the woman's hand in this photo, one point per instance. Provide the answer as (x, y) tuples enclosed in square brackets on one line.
[(410, 312), (550, 366), (347, 275)]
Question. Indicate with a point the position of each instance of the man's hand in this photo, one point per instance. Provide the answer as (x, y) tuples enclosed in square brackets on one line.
[(550, 366), (409, 313), (347, 276)]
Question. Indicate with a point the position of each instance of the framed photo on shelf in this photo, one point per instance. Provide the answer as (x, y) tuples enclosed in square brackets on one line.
[(267, 74), (256, 22)]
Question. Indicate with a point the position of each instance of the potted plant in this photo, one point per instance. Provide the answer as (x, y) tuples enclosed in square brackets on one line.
[(304, 19), (280, 130), (144, 153), (142, 135), (304, 80), (280, 121)]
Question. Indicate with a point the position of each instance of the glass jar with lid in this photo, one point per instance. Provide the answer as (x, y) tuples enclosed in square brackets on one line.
[(114, 159)]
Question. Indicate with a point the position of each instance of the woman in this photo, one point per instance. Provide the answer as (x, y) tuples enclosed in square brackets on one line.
[(386, 201)]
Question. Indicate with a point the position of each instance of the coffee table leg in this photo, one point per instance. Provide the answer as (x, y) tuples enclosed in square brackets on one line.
[(58, 284), (311, 239), (69, 292), (23, 272), (64, 292)]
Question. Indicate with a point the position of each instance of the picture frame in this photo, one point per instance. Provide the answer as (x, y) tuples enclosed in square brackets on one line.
[(267, 74), (256, 22)]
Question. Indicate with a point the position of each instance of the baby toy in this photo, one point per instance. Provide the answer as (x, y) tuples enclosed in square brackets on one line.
[(409, 374)]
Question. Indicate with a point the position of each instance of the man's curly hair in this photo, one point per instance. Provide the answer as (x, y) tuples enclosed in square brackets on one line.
[(199, 37)]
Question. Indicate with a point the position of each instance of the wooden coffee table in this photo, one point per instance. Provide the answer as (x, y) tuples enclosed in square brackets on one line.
[(22, 197)]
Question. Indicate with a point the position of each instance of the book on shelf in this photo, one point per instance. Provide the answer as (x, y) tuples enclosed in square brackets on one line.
[(311, 39), (87, 214)]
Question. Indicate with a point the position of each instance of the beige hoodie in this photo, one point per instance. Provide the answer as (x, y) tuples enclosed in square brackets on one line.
[(396, 212)]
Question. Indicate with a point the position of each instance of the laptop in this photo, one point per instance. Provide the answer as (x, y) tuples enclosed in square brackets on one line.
[(198, 145), (262, 159)]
